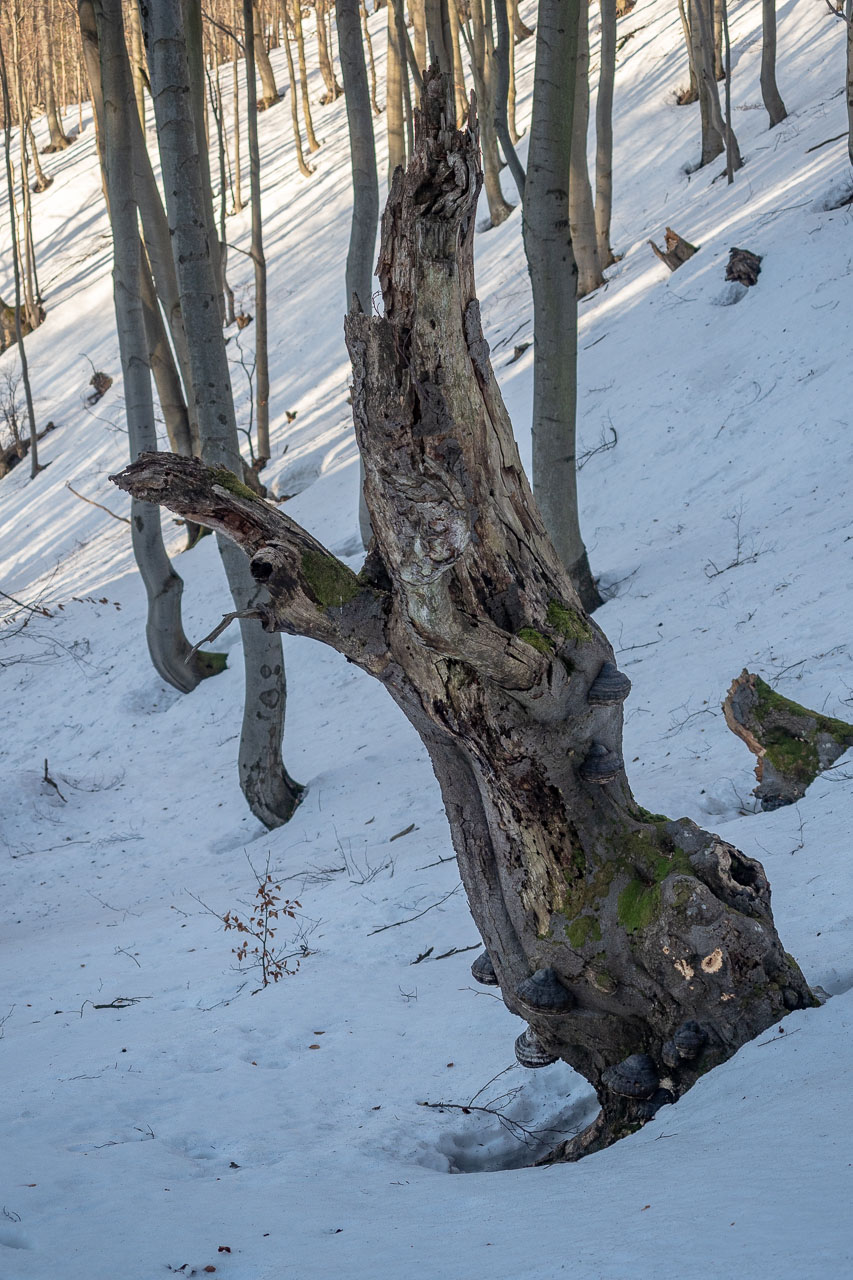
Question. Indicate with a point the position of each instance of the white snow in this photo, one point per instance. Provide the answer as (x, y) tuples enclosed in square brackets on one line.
[(287, 1126)]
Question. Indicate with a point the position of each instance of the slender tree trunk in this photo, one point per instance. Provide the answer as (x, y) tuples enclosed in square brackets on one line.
[(166, 377), (167, 644), (848, 13), (327, 71), (482, 72), (713, 143), (460, 92), (641, 951), (238, 193), (520, 31), (313, 144), (407, 58), (722, 129), (215, 94), (691, 94), (304, 168), (137, 60), (371, 64), (269, 93), (194, 40), (418, 16), (257, 252), (503, 66), (604, 133), (773, 103), (719, 68), (365, 186), (58, 140), (19, 333), (43, 181), (270, 792), (394, 98), (581, 210), (553, 276), (25, 238), (515, 135)]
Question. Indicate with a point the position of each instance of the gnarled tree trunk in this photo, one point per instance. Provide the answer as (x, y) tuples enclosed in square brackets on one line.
[(641, 951)]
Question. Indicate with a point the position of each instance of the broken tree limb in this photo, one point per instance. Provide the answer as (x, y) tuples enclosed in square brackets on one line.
[(678, 250), (792, 744)]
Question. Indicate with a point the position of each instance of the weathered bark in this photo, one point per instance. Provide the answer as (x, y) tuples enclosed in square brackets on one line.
[(581, 210), (256, 248), (770, 94), (677, 251), (792, 744), (503, 67), (365, 187), (743, 266), (271, 794), (168, 646), (58, 139), (604, 133), (327, 71), (553, 276), (394, 98), (16, 266), (648, 937)]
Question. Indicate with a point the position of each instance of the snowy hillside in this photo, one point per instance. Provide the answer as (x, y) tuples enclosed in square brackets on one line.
[(197, 1126)]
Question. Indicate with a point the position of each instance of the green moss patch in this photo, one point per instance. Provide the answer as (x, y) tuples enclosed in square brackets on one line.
[(537, 641), (332, 584), (638, 905), (581, 930), (227, 480), (568, 622)]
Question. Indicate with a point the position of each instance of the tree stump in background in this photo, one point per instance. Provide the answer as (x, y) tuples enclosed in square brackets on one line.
[(678, 250)]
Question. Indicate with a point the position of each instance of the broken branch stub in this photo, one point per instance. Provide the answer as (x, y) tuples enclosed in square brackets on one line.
[(792, 744), (465, 613), (677, 251)]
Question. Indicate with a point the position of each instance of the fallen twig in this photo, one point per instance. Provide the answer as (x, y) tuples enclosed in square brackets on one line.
[(93, 503), (410, 919)]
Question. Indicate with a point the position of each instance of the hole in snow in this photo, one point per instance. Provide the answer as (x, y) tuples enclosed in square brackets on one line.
[(838, 195)]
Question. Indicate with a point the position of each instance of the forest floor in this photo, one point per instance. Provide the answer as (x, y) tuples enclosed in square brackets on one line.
[(159, 1117)]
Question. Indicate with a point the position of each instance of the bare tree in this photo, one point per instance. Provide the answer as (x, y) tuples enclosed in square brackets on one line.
[(640, 950), (769, 89), (553, 276), (169, 648), (581, 209), (272, 795), (16, 266), (604, 133), (365, 184), (395, 70), (327, 70), (256, 250), (503, 67), (58, 139), (313, 144)]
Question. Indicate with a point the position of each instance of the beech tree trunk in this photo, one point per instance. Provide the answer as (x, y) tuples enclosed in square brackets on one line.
[(256, 250), (848, 14), (271, 794), (304, 168), (554, 279), (394, 97), (482, 50), (769, 89), (581, 209), (503, 79), (16, 267), (327, 71), (365, 187), (313, 144), (641, 951), (167, 644), (604, 133), (712, 141), (269, 93), (58, 139)]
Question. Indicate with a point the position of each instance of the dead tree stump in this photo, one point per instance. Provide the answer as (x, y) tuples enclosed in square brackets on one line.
[(678, 250), (792, 744)]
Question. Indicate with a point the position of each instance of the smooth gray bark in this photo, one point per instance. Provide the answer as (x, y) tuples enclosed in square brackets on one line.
[(19, 333), (271, 794), (769, 89), (170, 393), (256, 249), (721, 127), (712, 141), (848, 14), (482, 63), (58, 139), (581, 209), (365, 185), (167, 644), (194, 41), (503, 64), (553, 276), (604, 133)]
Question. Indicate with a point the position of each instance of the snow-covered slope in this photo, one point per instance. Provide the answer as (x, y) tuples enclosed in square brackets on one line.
[(286, 1127)]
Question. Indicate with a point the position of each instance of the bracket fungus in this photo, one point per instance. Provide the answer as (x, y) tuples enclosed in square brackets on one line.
[(543, 992), (530, 1052), (601, 765), (482, 970), (609, 687), (634, 1077)]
